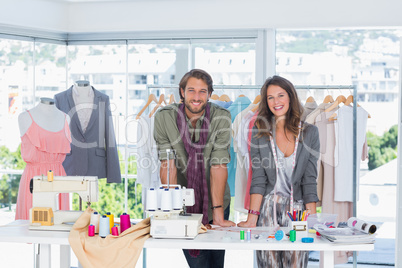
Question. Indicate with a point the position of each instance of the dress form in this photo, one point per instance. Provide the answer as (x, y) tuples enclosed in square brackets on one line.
[(45, 114), (83, 96)]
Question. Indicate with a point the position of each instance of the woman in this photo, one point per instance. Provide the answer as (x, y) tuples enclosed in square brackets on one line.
[(284, 153)]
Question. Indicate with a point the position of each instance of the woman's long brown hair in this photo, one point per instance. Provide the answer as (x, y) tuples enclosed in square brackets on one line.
[(265, 116)]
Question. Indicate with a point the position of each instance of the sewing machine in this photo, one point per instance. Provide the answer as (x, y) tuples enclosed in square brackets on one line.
[(176, 223), (44, 214)]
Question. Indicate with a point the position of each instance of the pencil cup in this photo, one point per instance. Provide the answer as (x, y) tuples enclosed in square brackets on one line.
[(301, 229)]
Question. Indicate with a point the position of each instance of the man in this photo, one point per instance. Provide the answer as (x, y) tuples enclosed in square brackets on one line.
[(199, 132)]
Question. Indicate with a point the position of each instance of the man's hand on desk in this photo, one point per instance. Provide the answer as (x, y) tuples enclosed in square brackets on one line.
[(224, 223)]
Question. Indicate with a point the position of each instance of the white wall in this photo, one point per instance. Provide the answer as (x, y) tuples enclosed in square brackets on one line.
[(160, 15)]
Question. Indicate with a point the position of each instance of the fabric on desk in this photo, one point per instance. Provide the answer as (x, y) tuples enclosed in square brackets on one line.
[(113, 251), (237, 106), (42, 150)]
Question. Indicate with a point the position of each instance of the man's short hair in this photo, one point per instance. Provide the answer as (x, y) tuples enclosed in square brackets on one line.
[(199, 74)]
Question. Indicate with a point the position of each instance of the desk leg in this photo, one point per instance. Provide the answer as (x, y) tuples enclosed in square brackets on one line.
[(65, 254), (44, 256), (328, 259)]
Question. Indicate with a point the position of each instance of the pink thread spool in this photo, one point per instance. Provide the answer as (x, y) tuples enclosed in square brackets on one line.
[(91, 230), (124, 222), (115, 231)]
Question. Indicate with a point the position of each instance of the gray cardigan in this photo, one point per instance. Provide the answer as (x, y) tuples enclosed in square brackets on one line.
[(93, 152), (304, 177)]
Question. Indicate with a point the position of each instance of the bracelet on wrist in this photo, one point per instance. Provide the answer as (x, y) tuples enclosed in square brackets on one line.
[(214, 207), (254, 212)]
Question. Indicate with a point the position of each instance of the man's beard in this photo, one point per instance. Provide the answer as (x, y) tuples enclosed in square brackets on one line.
[(200, 109)]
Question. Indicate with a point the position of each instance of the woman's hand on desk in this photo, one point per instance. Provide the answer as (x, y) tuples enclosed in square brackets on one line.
[(250, 223)]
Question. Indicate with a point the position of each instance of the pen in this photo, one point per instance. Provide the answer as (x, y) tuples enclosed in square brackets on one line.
[(290, 216), (294, 214)]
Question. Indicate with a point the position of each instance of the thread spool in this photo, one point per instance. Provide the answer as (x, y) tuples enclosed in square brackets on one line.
[(242, 235), (104, 226), (292, 235), (160, 191), (111, 220), (124, 222), (91, 230), (177, 199), (166, 200), (50, 175), (152, 200), (248, 235), (95, 221), (115, 231)]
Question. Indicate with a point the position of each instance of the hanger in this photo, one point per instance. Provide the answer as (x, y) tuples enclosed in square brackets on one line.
[(257, 99), (214, 97), (348, 101), (161, 99), (310, 99), (171, 99), (150, 99), (340, 99), (328, 99), (241, 95), (224, 97)]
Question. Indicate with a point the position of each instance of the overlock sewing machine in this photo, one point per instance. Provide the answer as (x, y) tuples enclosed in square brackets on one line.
[(44, 214)]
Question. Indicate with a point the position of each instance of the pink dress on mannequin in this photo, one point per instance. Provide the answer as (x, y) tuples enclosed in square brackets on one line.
[(42, 150)]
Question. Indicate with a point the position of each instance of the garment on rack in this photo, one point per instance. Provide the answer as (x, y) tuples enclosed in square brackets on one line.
[(308, 108), (344, 150), (94, 151), (112, 251), (240, 135), (223, 104), (250, 171), (42, 150), (326, 165), (147, 162), (237, 106)]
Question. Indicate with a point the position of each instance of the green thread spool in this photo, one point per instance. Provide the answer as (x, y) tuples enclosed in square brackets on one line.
[(241, 235), (292, 235)]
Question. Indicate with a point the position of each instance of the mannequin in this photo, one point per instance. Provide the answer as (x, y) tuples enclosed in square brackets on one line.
[(45, 141), (83, 96), (93, 147), (45, 114)]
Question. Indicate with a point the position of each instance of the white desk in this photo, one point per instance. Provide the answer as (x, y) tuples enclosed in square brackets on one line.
[(19, 233)]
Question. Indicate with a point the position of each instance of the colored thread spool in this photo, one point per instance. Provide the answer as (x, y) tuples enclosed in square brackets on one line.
[(166, 200), (177, 201), (279, 235), (152, 200), (242, 235), (104, 226), (248, 235), (111, 220), (124, 222), (91, 230), (50, 175), (292, 235), (95, 221), (115, 231)]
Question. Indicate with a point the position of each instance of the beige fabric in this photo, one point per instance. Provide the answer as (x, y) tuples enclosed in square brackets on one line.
[(113, 251)]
